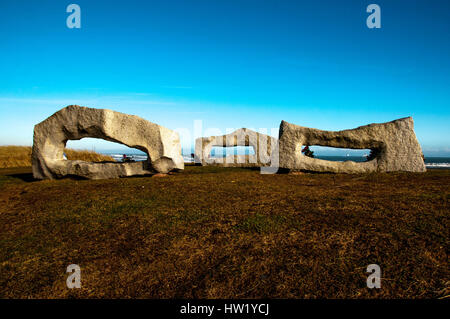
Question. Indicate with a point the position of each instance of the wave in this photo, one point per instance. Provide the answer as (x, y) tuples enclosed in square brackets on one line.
[(139, 158), (430, 162), (437, 165)]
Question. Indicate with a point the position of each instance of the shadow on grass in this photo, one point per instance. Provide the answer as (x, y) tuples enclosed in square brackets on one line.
[(26, 177)]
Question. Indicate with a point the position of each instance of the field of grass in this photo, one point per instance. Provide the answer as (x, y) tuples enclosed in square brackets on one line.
[(226, 233), (20, 156)]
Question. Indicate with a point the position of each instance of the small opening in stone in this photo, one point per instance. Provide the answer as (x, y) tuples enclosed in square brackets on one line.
[(219, 151), (107, 151), (337, 154)]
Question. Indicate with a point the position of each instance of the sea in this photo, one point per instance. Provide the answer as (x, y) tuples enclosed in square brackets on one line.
[(430, 162)]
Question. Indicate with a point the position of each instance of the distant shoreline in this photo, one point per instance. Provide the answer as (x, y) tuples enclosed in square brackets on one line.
[(20, 156), (431, 162)]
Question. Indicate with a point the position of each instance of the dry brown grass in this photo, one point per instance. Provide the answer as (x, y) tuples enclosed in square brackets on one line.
[(15, 156), (226, 233), (88, 156), (20, 156)]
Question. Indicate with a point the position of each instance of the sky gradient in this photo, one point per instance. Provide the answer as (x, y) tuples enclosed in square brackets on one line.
[(230, 64)]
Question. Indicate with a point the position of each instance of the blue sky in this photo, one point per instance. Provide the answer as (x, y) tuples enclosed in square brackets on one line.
[(229, 64)]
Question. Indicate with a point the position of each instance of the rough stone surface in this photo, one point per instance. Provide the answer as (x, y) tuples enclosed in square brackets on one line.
[(75, 122), (262, 145), (396, 142)]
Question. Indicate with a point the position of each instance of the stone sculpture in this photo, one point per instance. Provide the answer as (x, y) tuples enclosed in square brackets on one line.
[(395, 144), (74, 122), (263, 146)]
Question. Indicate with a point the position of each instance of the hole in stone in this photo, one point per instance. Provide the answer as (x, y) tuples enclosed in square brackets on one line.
[(337, 154), (219, 151), (88, 148)]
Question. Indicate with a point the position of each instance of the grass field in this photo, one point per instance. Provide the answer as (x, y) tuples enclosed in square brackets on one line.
[(226, 233), (20, 156)]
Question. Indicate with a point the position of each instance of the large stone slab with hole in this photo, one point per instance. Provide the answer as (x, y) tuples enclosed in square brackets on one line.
[(75, 122), (394, 143), (263, 147)]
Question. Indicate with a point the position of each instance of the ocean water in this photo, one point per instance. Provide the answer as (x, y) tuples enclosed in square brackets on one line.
[(137, 157), (430, 162), (437, 162), (140, 157)]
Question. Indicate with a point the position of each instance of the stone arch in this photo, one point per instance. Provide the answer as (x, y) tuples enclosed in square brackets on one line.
[(262, 144), (75, 122), (395, 143)]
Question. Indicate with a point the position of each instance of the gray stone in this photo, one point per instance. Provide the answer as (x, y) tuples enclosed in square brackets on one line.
[(75, 122), (262, 144), (395, 142)]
